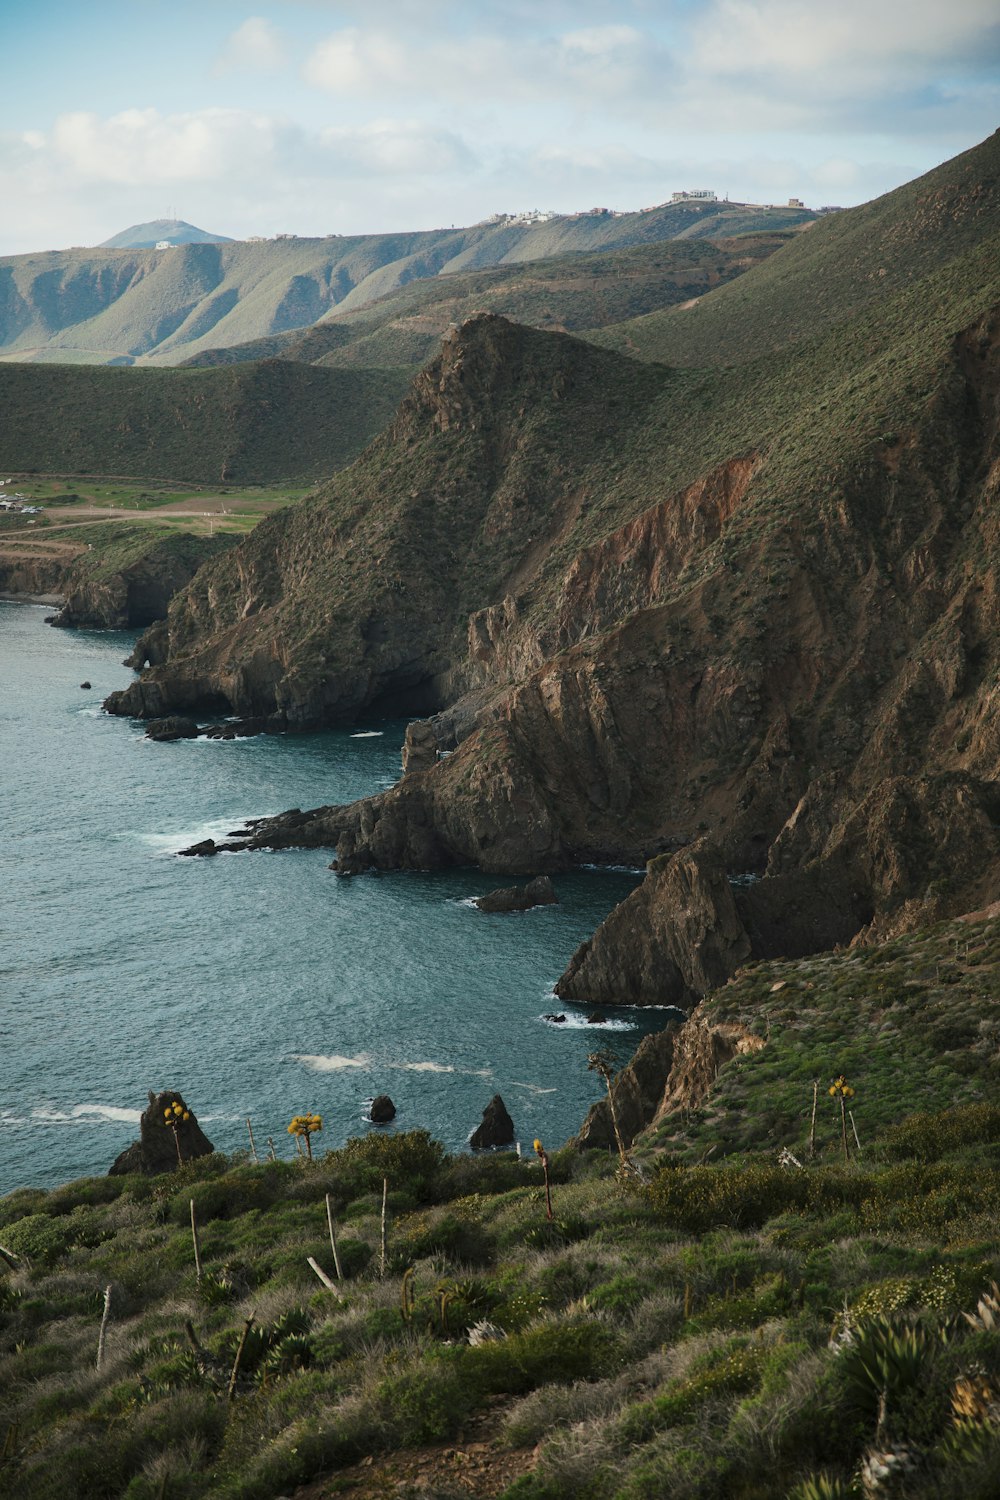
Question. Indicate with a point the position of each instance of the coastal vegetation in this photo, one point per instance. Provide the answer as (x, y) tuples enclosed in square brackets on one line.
[(720, 1324), (247, 424)]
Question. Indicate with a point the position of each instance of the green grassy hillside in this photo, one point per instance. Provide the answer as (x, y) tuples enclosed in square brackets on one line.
[(832, 273), (569, 293), (162, 306), (248, 423), (733, 1331)]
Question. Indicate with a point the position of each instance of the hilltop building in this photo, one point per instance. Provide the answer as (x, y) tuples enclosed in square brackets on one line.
[(696, 195)]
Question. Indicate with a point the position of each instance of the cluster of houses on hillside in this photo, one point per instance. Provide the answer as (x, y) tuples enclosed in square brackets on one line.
[(20, 504), (697, 197)]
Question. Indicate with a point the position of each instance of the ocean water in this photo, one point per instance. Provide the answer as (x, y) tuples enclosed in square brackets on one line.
[(256, 984)]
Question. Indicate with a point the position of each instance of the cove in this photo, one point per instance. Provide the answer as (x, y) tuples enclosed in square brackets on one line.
[(257, 984)]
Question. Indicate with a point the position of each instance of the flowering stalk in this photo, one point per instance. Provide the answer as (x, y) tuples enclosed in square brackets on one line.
[(175, 1115), (841, 1089), (303, 1126), (542, 1155)]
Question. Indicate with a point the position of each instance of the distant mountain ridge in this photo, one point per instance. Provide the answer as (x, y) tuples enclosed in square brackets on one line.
[(174, 231), (110, 305)]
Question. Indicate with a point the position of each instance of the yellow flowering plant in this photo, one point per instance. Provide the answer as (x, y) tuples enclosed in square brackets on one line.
[(305, 1126), (174, 1116), (841, 1089)]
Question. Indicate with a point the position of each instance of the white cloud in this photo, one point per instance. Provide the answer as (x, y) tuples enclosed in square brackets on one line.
[(395, 147), (802, 37), (256, 45), (582, 67), (142, 146)]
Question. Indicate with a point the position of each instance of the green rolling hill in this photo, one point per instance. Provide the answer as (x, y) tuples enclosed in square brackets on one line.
[(253, 423), (164, 306), (567, 293)]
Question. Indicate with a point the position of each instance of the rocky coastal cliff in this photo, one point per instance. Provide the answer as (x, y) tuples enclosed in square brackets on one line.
[(744, 618)]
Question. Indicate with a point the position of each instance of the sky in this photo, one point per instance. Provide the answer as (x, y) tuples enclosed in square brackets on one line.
[(318, 117)]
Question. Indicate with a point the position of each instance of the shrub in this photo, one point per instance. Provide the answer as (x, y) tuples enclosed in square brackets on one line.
[(38, 1238), (701, 1198), (928, 1137), (410, 1160), (234, 1193), (457, 1237), (550, 1353), (426, 1403)]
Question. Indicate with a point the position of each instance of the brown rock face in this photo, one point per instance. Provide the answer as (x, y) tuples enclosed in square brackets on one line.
[(160, 1148), (420, 747), (676, 936), (140, 592), (913, 850), (700, 1050), (637, 1092), (775, 626)]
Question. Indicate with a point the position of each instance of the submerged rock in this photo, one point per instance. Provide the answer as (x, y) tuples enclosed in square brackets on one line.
[(162, 1147), (538, 892), (496, 1129)]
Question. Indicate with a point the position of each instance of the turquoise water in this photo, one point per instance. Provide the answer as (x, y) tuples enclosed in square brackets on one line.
[(256, 984)]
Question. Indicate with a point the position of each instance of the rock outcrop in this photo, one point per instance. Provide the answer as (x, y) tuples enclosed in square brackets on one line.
[(637, 1091), (537, 892), (912, 850), (381, 1110), (701, 1049), (678, 935), (495, 1129), (420, 747), (136, 593), (162, 1147), (174, 727)]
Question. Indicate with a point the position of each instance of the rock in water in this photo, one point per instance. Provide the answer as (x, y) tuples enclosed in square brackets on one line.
[(202, 849), (85, 685), (538, 892), (156, 1150), (382, 1110), (420, 747), (496, 1129), (173, 727)]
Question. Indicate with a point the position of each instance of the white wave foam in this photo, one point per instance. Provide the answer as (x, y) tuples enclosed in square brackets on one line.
[(368, 734), (574, 1022), (531, 1088), (335, 1063), (83, 1114), (317, 1062), (616, 869), (172, 843)]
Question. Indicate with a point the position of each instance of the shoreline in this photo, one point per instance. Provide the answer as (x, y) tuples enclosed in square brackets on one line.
[(53, 601)]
